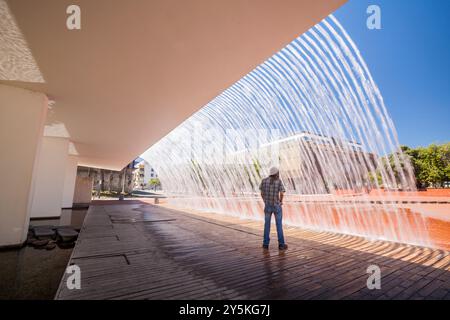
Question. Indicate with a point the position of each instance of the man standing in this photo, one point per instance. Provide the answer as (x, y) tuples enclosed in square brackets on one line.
[(272, 192)]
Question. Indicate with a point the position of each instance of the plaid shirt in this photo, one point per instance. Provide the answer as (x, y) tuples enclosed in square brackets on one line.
[(270, 190)]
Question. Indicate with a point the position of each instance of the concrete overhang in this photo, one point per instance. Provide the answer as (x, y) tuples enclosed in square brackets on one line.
[(137, 69)]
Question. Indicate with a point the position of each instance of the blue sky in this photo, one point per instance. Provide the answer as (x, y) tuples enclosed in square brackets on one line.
[(410, 61)]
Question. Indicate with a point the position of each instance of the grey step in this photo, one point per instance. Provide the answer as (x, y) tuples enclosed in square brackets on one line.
[(43, 232), (67, 234), (46, 226), (65, 228)]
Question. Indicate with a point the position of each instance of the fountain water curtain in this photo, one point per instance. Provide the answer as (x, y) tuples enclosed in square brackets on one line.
[(314, 110)]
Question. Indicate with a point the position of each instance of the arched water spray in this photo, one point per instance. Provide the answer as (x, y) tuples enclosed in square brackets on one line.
[(314, 110)]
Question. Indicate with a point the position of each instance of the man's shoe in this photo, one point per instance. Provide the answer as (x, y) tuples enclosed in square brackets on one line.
[(283, 247), (265, 247)]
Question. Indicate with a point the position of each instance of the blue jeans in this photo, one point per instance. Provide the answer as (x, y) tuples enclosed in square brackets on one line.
[(268, 210)]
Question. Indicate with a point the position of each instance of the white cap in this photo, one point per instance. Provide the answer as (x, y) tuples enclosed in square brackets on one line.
[(273, 171)]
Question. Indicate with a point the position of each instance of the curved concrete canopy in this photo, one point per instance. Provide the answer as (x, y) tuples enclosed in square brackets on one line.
[(137, 69)]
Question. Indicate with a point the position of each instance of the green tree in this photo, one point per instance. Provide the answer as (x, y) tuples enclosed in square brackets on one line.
[(154, 182), (375, 178), (257, 167), (431, 164)]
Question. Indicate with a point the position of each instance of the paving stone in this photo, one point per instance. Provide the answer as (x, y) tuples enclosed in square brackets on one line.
[(40, 243), (50, 246)]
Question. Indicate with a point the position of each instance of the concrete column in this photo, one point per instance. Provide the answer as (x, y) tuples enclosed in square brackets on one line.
[(83, 190), (22, 118), (51, 171), (70, 177)]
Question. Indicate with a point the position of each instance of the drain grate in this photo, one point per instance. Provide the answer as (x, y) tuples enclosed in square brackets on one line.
[(104, 256), (137, 220)]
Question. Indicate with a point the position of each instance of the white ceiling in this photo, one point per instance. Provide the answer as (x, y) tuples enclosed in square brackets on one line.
[(138, 68)]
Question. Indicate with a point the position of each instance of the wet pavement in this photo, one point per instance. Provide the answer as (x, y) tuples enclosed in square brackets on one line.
[(30, 273), (134, 250)]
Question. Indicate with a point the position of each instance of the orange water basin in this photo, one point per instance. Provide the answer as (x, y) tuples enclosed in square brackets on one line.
[(397, 218)]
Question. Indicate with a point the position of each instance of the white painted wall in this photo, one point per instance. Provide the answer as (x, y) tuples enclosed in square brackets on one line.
[(148, 173), (22, 117), (51, 170), (83, 190), (70, 177)]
